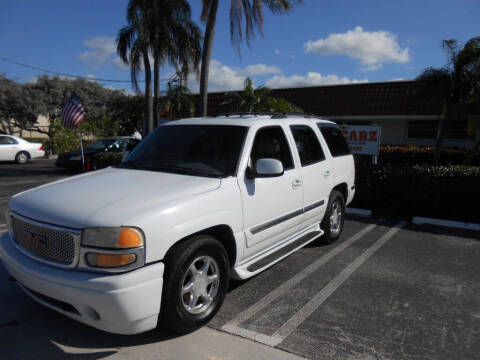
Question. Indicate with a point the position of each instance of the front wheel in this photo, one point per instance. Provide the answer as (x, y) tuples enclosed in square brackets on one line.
[(334, 218), (196, 282)]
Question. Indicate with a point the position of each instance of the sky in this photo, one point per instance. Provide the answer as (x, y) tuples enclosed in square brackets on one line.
[(321, 42)]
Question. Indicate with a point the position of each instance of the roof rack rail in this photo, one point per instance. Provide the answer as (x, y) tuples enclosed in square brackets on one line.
[(273, 114)]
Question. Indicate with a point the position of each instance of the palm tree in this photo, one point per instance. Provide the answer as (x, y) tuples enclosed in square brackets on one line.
[(453, 85), (175, 39), (179, 99), (133, 47), (258, 100), (248, 11)]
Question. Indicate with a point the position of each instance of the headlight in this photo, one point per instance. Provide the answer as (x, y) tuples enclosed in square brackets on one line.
[(76, 157), (112, 249), (8, 221), (113, 238)]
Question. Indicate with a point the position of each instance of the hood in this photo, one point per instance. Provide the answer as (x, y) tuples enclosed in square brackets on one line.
[(108, 197)]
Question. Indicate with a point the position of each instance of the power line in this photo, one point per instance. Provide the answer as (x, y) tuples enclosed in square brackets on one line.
[(67, 75)]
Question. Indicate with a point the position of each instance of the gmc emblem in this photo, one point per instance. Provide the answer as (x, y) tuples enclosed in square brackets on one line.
[(34, 240)]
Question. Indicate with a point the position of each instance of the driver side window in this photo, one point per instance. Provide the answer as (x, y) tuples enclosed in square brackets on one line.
[(270, 142)]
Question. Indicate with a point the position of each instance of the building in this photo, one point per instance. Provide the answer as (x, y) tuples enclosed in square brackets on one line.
[(405, 118)]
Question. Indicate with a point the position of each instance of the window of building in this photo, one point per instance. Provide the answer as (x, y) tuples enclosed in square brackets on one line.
[(270, 142), (308, 146), (335, 140), (422, 129)]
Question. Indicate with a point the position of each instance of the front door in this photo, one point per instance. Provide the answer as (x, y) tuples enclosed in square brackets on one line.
[(272, 206), (8, 148)]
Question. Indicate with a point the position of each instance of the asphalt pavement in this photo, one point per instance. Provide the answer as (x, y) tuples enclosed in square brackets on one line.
[(387, 289)]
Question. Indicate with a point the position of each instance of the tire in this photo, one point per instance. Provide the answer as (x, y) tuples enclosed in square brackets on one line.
[(22, 157), (183, 267), (334, 218)]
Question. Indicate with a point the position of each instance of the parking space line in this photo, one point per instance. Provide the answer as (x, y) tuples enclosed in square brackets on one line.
[(287, 328), (46, 179), (233, 325)]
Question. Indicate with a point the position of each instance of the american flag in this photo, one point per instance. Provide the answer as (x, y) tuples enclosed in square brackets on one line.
[(73, 112)]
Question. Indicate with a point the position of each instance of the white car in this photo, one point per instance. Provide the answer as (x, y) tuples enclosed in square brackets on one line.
[(13, 148), (156, 239)]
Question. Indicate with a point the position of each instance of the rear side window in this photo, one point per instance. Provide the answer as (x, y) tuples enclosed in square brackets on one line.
[(335, 140), (270, 142), (6, 140), (308, 146)]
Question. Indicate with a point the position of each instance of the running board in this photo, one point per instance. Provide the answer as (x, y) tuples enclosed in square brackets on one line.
[(258, 264)]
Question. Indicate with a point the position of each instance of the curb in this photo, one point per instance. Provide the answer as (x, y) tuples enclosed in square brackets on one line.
[(361, 212), (446, 223)]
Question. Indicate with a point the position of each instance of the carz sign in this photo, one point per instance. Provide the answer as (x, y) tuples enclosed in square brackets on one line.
[(363, 139)]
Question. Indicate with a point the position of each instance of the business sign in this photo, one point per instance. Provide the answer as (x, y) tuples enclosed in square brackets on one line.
[(363, 139)]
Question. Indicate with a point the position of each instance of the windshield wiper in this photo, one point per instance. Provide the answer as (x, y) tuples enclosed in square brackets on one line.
[(131, 165)]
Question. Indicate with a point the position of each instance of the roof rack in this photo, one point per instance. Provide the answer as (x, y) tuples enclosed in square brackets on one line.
[(272, 114)]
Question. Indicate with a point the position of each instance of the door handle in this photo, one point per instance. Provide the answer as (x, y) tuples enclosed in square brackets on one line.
[(327, 173), (296, 183)]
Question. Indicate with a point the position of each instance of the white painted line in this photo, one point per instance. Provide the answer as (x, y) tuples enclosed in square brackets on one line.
[(287, 328), (2, 225), (46, 179), (447, 223), (361, 212), (233, 325)]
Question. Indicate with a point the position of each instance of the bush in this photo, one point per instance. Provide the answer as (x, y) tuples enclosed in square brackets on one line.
[(422, 155), (103, 160), (445, 192)]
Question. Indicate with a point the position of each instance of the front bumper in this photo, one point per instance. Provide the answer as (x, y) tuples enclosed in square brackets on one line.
[(126, 303)]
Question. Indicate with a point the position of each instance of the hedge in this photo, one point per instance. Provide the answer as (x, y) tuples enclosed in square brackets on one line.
[(445, 192), (422, 155)]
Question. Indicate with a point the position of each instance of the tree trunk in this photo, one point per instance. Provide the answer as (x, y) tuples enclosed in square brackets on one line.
[(206, 55), (156, 89), (148, 126), (440, 132)]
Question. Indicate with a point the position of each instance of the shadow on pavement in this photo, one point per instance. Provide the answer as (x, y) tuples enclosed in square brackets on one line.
[(33, 168)]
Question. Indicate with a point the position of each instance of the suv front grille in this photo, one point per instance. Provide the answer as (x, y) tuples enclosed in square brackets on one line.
[(44, 241)]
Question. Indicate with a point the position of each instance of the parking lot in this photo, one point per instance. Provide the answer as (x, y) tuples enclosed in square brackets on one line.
[(387, 289)]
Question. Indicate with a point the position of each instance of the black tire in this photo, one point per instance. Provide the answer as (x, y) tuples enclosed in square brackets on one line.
[(22, 157), (174, 314), (335, 201)]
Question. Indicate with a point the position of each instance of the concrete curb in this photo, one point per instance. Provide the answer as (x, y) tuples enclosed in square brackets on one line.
[(361, 212), (446, 223)]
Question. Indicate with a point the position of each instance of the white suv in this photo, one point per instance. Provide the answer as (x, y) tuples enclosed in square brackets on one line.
[(156, 239)]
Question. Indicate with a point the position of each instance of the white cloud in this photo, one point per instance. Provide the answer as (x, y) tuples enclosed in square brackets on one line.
[(276, 51), (101, 50), (373, 49), (119, 63), (261, 69), (310, 79)]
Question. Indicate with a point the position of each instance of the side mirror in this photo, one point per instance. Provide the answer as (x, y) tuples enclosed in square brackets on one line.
[(265, 168)]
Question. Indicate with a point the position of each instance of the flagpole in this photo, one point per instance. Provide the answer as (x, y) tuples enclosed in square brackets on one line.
[(81, 149)]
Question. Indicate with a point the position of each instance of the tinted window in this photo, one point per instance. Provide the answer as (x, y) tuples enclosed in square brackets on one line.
[(6, 140), (308, 146), (335, 140), (101, 144), (270, 142), (203, 150)]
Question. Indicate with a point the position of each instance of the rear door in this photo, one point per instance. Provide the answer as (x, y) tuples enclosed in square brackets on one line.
[(272, 207), (8, 148), (315, 170)]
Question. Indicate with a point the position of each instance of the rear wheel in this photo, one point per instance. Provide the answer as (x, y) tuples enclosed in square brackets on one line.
[(22, 157), (196, 282), (334, 218)]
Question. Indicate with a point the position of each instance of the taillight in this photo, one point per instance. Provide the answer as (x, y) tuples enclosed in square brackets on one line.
[(41, 147)]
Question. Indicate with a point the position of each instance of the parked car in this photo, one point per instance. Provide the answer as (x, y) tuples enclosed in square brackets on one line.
[(73, 159), (13, 148), (155, 240)]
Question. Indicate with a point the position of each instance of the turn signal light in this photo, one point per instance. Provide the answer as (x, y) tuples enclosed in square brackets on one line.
[(130, 238), (110, 260)]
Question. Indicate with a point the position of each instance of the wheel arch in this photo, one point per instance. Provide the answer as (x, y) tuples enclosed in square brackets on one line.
[(343, 189), (222, 233)]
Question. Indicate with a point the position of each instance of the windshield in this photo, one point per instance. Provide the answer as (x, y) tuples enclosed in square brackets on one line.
[(100, 144), (204, 150)]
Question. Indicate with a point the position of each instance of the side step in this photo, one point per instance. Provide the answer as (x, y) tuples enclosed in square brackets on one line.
[(260, 263)]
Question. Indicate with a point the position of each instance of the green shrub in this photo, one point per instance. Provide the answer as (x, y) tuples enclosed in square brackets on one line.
[(103, 160), (421, 155), (445, 192)]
